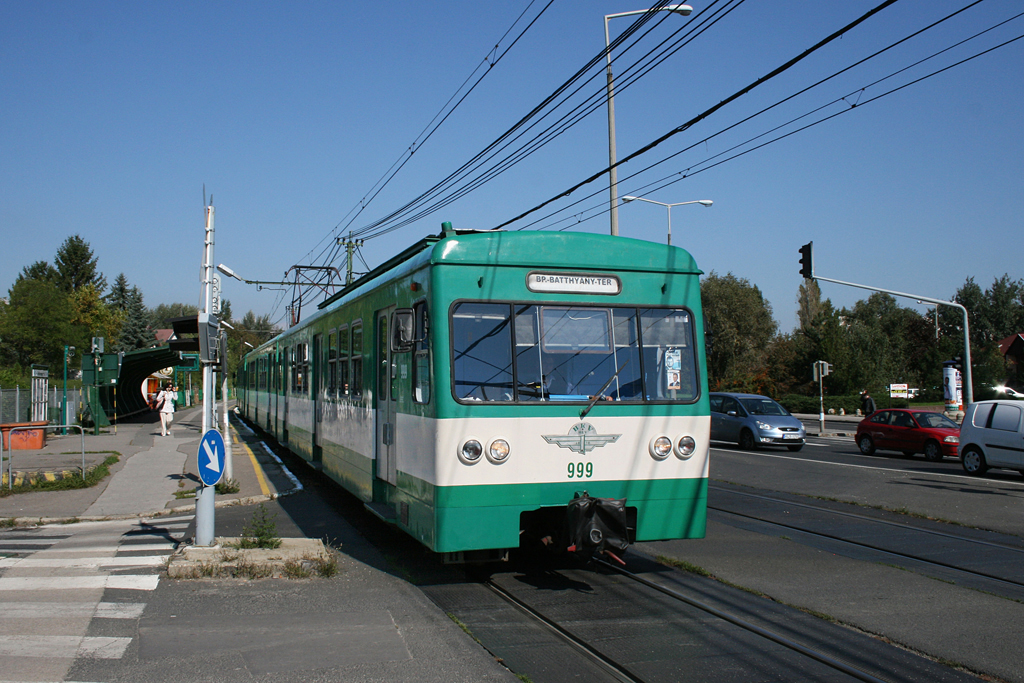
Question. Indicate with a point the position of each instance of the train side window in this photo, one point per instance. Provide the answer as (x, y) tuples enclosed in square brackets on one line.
[(670, 368), (332, 363), (357, 360), (482, 352), (421, 354), (343, 388)]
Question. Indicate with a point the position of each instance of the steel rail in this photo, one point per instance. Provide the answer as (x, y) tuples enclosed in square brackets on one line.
[(821, 657), (607, 664), (877, 549), (854, 515)]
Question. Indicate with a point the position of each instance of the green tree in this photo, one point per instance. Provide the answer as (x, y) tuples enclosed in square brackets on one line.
[(135, 330), (119, 293), (159, 316), (91, 317), (37, 323), (77, 267), (740, 322), (40, 270)]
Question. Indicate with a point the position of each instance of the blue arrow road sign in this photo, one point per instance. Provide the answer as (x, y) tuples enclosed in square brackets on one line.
[(211, 457)]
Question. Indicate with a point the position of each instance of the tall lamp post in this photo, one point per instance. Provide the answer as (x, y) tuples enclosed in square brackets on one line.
[(613, 175), (69, 351), (702, 202)]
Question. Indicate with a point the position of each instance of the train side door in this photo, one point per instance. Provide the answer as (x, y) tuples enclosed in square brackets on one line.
[(383, 403), (316, 376)]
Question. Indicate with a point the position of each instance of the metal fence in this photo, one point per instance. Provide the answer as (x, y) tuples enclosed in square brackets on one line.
[(16, 405)]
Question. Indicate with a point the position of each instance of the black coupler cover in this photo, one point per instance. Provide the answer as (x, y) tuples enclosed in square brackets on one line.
[(597, 524)]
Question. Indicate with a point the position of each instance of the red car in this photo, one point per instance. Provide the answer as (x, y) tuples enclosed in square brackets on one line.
[(909, 431)]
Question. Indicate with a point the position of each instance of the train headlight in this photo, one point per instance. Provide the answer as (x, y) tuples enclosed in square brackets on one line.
[(660, 447), (498, 450), (471, 451), (685, 447)]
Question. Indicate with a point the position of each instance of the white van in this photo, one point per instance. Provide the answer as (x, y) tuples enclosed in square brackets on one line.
[(992, 435)]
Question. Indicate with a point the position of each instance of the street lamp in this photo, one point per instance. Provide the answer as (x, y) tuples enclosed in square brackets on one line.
[(69, 351), (613, 175), (702, 202)]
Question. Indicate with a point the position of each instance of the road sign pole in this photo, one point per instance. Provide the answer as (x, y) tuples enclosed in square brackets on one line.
[(206, 509)]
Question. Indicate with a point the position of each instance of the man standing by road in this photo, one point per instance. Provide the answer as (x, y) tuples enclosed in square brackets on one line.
[(165, 404), (867, 404)]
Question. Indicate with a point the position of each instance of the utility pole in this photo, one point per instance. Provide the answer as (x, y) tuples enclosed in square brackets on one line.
[(350, 247), (207, 323)]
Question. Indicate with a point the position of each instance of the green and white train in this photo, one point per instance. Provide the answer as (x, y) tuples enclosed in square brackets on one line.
[(491, 390)]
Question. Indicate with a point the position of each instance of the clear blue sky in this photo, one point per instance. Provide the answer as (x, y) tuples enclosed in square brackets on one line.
[(115, 114)]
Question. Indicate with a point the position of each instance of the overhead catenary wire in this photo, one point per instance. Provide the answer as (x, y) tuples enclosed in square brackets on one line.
[(711, 110), (556, 99), (435, 123), (693, 169)]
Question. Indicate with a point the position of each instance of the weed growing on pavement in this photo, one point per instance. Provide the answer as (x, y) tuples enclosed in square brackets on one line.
[(458, 622), (7, 523), (227, 486), (184, 494), (262, 533), (684, 565), (297, 569)]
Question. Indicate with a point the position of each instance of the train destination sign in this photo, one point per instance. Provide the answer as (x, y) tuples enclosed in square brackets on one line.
[(574, 283)]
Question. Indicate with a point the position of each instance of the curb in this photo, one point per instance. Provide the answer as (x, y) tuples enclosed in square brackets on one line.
[(152, 514)]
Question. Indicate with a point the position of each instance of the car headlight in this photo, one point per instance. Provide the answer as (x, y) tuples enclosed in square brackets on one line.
[(471, 451), (764, 426), (498, 450), (685, 447), (952, 439), (660, 447)]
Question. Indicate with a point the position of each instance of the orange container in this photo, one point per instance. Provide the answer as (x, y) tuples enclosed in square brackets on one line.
[(24, 439)]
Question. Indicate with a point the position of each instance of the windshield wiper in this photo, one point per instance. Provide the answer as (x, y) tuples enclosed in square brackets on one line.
[(583, 413)]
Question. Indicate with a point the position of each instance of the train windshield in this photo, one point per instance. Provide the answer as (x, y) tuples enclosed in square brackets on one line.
[(531, 353)]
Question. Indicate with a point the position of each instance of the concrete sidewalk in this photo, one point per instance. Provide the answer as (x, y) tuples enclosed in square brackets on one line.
[(154, 475)]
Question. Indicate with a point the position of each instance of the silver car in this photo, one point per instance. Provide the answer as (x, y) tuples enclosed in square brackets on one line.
[(753, 421)]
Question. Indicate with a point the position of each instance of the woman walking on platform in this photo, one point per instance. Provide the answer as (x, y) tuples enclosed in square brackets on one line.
[(165, 404)]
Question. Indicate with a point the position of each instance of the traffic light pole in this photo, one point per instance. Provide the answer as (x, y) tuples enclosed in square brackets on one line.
[(968, 386)]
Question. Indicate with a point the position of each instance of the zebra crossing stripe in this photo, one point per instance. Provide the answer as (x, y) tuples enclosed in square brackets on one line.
[(32, 583), (83, 562), (72, 610), (64, 646)]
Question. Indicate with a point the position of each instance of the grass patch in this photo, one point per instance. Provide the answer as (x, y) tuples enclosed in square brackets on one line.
[(227, 486), (7, 523), (184, 494), (74, 480)]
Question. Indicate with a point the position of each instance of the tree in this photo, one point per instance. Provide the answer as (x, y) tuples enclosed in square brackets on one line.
[(40, 270), (135, 330), (77, 267), (159, 316), (119, 293), (740, 322), (37, 323), (91, 317)]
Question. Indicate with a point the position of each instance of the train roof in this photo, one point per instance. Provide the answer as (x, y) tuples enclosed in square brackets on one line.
[(535, 249)]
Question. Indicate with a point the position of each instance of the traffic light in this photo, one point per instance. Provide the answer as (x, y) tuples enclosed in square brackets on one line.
[(958, 362), (209, 337), (807, 261)]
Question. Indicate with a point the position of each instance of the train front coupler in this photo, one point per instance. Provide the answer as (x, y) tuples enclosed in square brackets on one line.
[(597, 526)]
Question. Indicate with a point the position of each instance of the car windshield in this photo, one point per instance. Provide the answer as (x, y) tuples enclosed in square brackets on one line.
[(763, 406), (935, 420)]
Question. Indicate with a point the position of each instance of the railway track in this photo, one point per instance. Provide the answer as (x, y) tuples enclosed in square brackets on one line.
[(651, 624), (618, 671), (982, 560)]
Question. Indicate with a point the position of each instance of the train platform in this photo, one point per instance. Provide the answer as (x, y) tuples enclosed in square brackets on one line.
[(153, 474), (387, 628)]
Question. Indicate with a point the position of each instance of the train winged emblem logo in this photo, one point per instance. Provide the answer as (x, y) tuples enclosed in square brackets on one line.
[(582, 438)]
